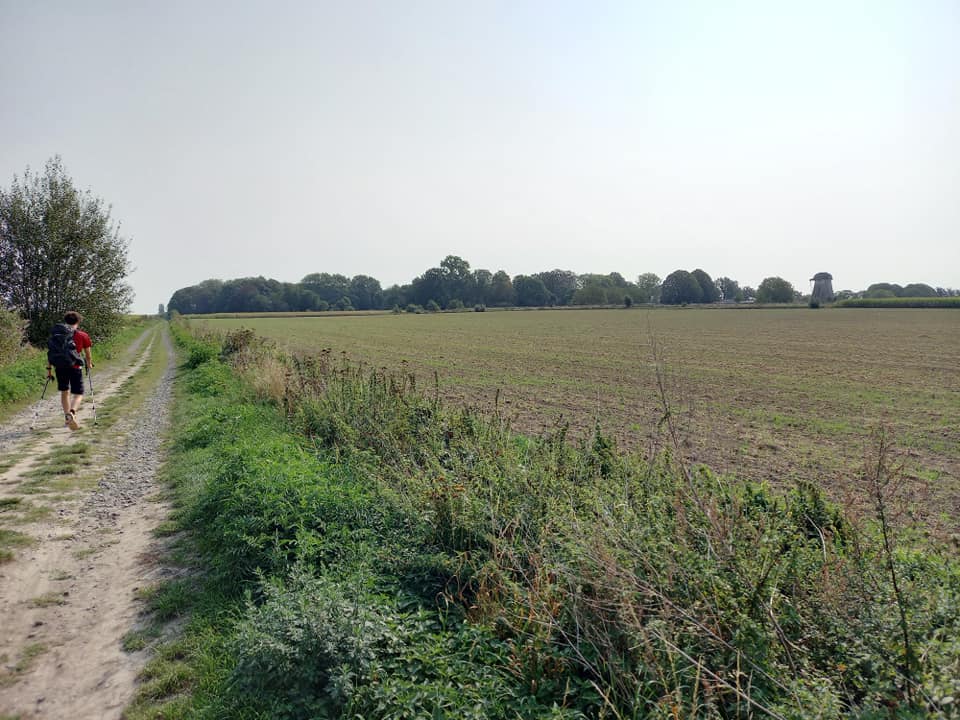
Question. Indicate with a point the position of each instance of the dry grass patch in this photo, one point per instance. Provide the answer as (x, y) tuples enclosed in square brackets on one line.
[(50, 599)]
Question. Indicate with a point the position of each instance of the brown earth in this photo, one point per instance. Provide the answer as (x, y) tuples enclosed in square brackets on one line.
[(775, 396)]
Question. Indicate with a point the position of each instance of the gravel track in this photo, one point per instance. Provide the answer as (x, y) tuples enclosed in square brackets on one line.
[(68, 600), (133, 473)]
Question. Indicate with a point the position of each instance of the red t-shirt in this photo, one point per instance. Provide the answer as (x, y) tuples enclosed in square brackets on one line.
[(82, 341)]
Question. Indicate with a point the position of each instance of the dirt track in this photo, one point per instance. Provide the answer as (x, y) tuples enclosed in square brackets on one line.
[(86, 549)]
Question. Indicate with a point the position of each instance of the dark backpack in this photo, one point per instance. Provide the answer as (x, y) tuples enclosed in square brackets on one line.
[(61, 348)]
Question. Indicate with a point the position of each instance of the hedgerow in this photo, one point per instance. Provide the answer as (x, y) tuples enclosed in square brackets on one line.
[(901, 302)]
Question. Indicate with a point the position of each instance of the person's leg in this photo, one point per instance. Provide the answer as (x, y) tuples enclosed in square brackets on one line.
[(76, 388), (63, 385)]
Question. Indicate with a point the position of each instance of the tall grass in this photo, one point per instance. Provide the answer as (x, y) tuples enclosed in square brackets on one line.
[(407, 559)]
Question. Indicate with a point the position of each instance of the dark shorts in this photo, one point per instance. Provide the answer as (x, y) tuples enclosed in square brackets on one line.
[(70, 379)]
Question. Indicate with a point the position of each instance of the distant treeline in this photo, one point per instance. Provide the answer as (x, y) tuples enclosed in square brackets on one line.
[(914, 290), (454, 285)]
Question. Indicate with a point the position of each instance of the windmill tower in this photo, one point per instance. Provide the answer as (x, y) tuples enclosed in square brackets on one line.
[(822, 287)]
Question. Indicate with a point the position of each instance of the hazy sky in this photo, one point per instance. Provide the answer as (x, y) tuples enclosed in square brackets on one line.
[(282, 138)]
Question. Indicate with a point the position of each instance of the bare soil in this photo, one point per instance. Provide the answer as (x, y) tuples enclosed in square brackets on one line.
[(773, 396)]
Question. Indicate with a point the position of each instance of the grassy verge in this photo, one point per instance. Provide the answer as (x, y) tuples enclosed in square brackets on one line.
[(364, 551)]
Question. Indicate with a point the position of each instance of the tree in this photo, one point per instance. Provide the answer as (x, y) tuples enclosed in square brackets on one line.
[(590, 294), (648, 286), (432, 285), (775, 290), (709, 292), (328, 287), (680, 287), (880, 290), (59, 251), (396, 296), (915, 290), (610, 289), (253, 294), (617, 280), (365, 292), (160, 310), (297, 298), (728, 289), (561, 284), (457, 279), (530, 291), (203, 298), (481, 281), (501, 290)]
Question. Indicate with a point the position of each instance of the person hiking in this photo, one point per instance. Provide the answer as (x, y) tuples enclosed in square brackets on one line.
[(64, 350)]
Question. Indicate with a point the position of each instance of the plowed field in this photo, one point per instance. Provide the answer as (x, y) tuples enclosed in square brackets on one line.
[(775, 395)]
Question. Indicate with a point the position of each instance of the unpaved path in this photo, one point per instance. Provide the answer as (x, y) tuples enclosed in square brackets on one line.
[(69, 596)]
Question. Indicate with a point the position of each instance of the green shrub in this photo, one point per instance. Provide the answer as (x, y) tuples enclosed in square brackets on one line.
[(324, 647), (302, 648), (199, 348)]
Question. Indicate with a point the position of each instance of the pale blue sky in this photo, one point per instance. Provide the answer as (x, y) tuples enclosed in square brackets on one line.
[(282, 138)]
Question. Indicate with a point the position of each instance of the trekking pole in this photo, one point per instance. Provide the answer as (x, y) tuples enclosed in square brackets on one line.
[(36, 409), (93, 400)]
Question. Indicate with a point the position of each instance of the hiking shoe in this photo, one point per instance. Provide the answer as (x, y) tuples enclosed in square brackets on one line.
[(72, 420)]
